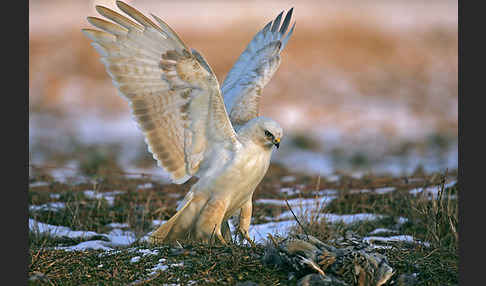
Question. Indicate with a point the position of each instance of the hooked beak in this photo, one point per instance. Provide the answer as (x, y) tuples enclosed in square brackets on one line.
[(276, 142)]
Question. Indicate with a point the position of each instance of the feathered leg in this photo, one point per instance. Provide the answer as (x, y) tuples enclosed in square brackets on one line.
[(245, 219), (208, 225)]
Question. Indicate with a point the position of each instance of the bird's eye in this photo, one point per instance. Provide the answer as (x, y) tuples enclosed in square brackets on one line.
[(268, 134)]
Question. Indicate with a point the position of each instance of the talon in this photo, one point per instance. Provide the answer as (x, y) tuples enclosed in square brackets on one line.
[(244, 235), (221, 239), (247, 237), (251, 242)]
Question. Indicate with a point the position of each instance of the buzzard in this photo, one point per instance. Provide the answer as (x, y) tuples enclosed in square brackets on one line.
[(192, 126)]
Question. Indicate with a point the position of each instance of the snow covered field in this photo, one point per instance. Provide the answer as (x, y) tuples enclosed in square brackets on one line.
[(302, 208)]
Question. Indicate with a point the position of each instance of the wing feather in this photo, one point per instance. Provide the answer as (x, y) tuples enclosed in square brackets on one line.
[(254, 68), (118, 18), (173, 94)]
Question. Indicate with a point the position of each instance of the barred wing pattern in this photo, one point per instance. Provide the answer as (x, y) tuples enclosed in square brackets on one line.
[(254, 68), (173, 94)]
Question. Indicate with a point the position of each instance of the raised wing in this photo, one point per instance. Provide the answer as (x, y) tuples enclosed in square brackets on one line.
[(254, 68), (173, 94)]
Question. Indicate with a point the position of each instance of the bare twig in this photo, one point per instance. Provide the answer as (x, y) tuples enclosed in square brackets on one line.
[(296, 219), (273, 240), (206, 272)]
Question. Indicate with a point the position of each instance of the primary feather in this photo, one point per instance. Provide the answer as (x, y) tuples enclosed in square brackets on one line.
[(254, 68)]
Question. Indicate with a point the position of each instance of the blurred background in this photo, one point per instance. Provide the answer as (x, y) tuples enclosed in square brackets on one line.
[(363, 87)]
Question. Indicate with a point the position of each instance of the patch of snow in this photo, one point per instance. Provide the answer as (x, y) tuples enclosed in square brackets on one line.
[(180, 264), (146, 237), (116, 237), (58, 231), (381, 246), (287, 179), (154, 172), (55, 196), (68, 173), (327, 192), (48, 207), (120, 237), (298, 201), (145, 186), (401, 220), (290, 191), (108, 196), (135, 259), (380, 191), (350, 218), (38, 184), (91, 244), (90, 194), (259, 232), (431, 192), (158, 267), (384, 190), (118, 225), (396, 238), (382, 230), (158, 222), (146, 252), (357, 174), (333, 178), (109, 252)]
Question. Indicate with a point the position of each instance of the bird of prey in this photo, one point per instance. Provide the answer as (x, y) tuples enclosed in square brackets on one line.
[(192, 126)]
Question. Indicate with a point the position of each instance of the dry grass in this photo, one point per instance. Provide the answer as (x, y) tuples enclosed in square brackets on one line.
[(430, 220)]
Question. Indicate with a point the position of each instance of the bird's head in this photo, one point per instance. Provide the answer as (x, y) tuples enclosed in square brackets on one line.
[(268, 132)]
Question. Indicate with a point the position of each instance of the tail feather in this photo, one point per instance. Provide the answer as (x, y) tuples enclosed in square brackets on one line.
[(158, 236)]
